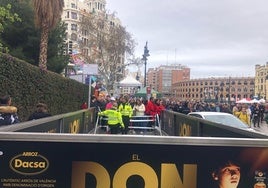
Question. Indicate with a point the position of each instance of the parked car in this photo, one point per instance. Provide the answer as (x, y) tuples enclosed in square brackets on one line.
[(222, 118)]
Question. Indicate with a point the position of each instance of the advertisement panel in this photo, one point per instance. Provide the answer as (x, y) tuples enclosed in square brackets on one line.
[(125, 162)]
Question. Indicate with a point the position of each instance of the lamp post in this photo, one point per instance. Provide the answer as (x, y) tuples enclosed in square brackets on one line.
[(144, 58), (229, 90)]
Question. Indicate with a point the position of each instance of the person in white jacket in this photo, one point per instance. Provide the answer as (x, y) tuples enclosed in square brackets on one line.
[(139, 108)]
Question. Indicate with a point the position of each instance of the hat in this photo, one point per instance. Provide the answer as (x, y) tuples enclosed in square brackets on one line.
[(112, 99)]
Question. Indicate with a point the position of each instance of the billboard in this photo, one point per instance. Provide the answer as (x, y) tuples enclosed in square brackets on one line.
[(86, 161)]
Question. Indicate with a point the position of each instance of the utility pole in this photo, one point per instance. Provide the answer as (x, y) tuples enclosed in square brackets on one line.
[(144, 58), (229, 91)]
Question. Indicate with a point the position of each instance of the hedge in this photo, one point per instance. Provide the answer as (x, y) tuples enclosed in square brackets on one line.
[(28, 85)]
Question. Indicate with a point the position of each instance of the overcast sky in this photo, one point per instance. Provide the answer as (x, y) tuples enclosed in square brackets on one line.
[(212, 37)]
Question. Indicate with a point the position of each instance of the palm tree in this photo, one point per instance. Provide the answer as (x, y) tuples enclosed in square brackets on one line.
[(47, 15)]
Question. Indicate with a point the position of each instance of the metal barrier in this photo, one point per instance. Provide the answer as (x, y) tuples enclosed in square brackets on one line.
[(145, 123), (177, 124), (116, 161), (78, 122), (170, 123)]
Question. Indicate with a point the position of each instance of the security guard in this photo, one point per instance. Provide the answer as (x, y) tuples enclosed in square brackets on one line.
[(126, 110), (114, 118)]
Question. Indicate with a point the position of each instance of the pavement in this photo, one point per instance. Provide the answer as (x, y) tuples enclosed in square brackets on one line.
[(263, 127)]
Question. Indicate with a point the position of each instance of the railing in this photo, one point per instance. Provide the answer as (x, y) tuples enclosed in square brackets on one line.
[(79, 122), (177, 124), (145, 123), (170, 123)]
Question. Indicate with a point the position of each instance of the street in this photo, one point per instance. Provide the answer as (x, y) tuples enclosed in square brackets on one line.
[(263, 127)]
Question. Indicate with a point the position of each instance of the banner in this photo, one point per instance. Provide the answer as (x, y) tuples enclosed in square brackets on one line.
[(130, 165)]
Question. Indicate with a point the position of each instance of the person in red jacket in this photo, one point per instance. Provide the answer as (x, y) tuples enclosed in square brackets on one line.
[(151, 110), (159, 106), (150, 107)]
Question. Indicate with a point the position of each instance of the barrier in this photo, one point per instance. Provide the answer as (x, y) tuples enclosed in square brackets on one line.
[(177, 124), (81, 121), (112, 161), (170, 123), (148, 124)]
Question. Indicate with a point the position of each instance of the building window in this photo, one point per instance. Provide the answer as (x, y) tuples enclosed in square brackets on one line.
[(74, 37), (73, 5), (74, 27), (74, 15)]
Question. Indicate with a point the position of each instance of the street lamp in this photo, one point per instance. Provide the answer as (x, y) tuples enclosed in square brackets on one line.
[(229, 90), (144, 58)]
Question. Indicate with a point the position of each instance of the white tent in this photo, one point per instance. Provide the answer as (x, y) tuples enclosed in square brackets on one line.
[(262, 100), (244, 101), (129, 85), (254, 101), (129, 81)]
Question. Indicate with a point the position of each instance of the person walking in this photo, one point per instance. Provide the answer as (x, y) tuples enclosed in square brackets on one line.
[(114, 119), (256, 115), (126, 110), (8, 113)]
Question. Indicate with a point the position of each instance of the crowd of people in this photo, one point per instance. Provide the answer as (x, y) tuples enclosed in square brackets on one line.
[(128, 106), (9, 116), (250, 114), (120, 110)]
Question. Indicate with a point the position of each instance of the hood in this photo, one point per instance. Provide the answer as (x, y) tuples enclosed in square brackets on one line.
[(8, 109)]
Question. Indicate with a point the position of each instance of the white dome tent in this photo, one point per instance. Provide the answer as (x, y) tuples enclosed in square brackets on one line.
[(129, 85)]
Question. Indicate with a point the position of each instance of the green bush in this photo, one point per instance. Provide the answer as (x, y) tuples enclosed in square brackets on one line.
[(28, 85)]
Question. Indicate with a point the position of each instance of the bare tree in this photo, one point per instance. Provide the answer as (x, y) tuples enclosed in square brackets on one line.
[(109, 44)]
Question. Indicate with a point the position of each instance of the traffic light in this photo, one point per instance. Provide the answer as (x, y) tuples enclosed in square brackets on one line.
[(70, 47)]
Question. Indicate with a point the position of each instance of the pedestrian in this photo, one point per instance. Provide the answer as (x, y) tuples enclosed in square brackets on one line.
[(139, 108), (8, 113), (243, 115), (138, 111), (256, 115), (84, 105), (150, 107), (126, 110), (109, 105), (114, 119), (41, 111)]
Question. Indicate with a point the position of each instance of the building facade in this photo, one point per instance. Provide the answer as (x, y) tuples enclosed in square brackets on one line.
[(221, 89), (162, 78), (90, 33), (261, 80)]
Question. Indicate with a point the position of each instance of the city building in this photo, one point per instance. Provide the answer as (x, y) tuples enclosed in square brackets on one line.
[(89, 26), (222, 89), (163, 77), (261, 80)]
